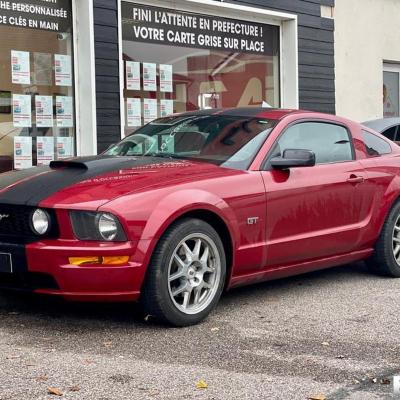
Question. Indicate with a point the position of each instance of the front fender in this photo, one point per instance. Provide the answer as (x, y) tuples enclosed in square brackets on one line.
[(175, 205), (178, 203)]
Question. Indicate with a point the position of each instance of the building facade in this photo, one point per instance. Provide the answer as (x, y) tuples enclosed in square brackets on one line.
[(367, 58), (77, 75)]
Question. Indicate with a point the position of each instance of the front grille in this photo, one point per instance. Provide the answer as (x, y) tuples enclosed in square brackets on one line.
[(15, 224)]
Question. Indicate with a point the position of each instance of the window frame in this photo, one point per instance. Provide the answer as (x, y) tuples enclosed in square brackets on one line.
[(391, 67), (266, 165)]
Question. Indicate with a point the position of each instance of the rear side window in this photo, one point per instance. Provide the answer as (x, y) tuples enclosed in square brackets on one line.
[(375, 146)]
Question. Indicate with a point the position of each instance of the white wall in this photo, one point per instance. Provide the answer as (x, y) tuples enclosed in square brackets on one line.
[(367, 33)]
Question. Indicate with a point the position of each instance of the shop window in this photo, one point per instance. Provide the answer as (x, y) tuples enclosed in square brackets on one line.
[(179, 61), (36, 84)]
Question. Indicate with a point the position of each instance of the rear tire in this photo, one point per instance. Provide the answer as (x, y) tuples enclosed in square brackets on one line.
[(186, 275), (386, 257)]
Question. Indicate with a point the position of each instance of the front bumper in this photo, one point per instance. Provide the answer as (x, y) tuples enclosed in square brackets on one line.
[(43, 267)]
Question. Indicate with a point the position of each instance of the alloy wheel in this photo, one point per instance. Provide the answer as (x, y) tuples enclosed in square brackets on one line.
[(396, 240), (194, 273)]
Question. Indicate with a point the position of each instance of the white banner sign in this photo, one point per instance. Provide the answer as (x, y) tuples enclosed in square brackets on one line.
[(150, 77), (20, 67), (22, 112), (45, 150), (132, 75), (65, 147), (22, 152), (64, 110), (134, 112), (63, 70), (149, 110), (166, 78), (44, 111)]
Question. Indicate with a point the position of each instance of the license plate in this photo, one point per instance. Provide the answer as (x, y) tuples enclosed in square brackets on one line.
[(6, 263)]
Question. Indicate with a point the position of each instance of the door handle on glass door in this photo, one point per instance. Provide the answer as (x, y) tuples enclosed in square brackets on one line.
[(355, 179)]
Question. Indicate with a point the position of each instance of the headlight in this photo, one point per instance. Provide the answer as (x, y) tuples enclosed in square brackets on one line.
[(40, 222), (108, 226), (97, 226)]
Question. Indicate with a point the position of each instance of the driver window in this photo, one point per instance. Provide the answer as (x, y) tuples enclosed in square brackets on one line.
[(330, 142)]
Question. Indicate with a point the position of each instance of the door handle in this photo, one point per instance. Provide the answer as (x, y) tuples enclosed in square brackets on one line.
[(354, 179)]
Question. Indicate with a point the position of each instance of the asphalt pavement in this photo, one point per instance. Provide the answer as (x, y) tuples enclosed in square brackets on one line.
[(332, 334)]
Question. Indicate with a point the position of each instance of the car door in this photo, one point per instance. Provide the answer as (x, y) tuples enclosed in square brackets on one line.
[(314, 212)]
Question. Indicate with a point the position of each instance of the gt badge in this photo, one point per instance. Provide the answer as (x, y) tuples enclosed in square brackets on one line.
[(252, 220)]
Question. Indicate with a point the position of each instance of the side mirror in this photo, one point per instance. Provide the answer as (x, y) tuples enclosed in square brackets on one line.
[(294, 158)]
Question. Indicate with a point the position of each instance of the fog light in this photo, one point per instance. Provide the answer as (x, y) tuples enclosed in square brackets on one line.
[(40, 222), (112, 260)]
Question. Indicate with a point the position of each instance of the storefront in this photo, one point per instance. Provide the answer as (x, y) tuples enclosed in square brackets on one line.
[(38, 100), (37, 121), (177, 59), (77, 76)]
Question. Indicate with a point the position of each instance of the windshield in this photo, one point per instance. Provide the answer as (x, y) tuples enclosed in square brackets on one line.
[(228, 141)]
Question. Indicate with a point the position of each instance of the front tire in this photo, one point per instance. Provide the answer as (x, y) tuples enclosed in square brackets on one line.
[(386, 258), (186, 275)]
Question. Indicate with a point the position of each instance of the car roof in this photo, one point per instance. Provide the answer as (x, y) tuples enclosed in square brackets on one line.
[(380, 125), (247, 112)]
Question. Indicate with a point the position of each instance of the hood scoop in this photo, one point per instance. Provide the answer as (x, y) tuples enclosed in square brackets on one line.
[(94, 163), (61, 164)]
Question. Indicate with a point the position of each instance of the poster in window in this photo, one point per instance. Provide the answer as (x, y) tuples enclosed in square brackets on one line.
[(134, 112), (64, 110), (65, 147), (44, 111), (63, 70), (20, 67), (22, 152), (149, 110), (42, 69), (132, 75), (150, 77), (166, 107), (22, 112), (45, 150), (166, 78)]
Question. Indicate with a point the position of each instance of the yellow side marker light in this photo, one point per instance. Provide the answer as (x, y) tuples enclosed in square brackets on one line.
[(110, 260)]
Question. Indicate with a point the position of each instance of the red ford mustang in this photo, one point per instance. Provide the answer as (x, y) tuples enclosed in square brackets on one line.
[(196, 203)]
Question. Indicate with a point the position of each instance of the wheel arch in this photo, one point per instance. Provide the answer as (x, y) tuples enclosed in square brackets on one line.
[(221, 228), (214, 219), (389, 199)]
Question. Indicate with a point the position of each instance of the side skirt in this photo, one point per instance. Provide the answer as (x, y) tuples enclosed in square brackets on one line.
[(297, 269)]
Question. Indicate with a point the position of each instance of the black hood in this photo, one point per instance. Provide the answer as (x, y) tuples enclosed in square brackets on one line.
[(33, 185)]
